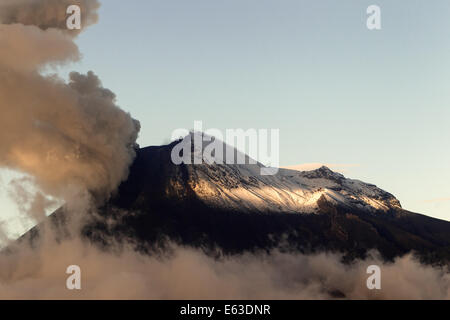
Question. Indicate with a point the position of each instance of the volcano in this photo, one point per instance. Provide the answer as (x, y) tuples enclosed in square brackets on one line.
[(233, 209)]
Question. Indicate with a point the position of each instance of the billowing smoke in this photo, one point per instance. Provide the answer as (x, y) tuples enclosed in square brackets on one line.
[(64, 136), (46, 14), (32, 203)]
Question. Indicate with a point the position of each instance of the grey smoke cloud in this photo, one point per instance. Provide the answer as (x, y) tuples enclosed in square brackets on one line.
[(27, 49), (32, 203), (46, 14), (67, 136)]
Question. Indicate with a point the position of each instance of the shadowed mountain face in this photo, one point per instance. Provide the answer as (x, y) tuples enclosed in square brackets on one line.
[(231, 209)]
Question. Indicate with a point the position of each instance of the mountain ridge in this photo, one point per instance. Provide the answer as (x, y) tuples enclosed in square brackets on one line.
[(160, 202)]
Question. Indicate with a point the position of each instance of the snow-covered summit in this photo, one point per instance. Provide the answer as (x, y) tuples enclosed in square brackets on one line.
[(238, 187), (242, 187)]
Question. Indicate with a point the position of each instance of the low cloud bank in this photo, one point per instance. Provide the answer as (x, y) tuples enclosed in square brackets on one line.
[(189, 274)]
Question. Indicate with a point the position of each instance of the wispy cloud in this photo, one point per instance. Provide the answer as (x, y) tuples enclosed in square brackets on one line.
[(437, 200)]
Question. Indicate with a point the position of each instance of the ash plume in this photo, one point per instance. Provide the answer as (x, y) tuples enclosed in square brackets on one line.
[(46, 14)]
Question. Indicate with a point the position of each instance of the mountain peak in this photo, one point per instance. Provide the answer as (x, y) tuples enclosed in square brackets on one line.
[(325, 169), (326, 173), (241, 187), (225, 206)]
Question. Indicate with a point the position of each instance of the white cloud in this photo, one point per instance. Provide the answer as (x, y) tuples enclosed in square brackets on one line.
[(437, 200)]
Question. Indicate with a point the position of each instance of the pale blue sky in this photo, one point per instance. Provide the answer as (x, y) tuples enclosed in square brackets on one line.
[(338, 92)]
